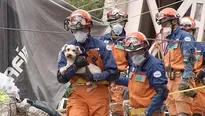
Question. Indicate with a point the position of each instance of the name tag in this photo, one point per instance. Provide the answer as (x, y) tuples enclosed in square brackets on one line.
[(197, 57), (140, 78), (173, 47), (119, 47)]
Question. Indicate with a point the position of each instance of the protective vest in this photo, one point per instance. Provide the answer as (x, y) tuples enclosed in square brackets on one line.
[(120, 57), (94, 58), (140, 92), (173, 58)]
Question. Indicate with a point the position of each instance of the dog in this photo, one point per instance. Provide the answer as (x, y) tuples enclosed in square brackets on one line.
[(71, 52)]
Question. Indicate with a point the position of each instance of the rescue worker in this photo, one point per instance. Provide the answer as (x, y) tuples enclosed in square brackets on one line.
[(179, 60), (86, 99), (188, 24), (147, 80), (117, 19)]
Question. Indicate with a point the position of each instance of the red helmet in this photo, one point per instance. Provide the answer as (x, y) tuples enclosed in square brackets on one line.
[(166, 14), (135, 41), (117, 14), (78, 19), (187, 23)]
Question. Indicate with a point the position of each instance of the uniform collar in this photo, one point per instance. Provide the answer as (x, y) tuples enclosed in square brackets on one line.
[(175, 32)]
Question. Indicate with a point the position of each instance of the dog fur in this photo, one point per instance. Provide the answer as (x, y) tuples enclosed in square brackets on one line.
[(71, 52)]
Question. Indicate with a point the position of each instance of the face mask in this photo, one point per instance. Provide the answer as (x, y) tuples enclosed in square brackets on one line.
[(80, 36), (117, 28), (167, 31), (138, 59)]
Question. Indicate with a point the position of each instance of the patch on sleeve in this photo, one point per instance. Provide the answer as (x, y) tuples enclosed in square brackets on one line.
[(108, 47), (187, 39), (157, 74)]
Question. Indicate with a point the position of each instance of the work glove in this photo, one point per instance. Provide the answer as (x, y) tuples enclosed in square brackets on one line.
[(80, 62), (201, 76), (183, 85), (123, 74), (125, 93), (88, 76)]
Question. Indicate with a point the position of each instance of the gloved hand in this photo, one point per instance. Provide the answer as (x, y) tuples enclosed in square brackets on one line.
[(123, 74), (125, 93), (183, 85), (201, 75), (80, 62), (88, 76)]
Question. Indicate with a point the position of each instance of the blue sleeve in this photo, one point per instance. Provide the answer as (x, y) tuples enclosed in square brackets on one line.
[(157, 80), (102, 38), (122, 81), (62, 62), (188, 50), (109, 63)]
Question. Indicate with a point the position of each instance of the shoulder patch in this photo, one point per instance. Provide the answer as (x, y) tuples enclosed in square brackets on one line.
[(108, 47), (157, 74), (187, 39)]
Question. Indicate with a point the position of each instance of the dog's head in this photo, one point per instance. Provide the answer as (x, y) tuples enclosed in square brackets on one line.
[(71, 51)]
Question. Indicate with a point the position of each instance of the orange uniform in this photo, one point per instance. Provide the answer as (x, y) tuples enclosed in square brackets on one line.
[(199, 102), (122, 60), (174, 63), (83, 102)]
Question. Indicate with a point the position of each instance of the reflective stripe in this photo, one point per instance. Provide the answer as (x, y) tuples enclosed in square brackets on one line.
[(80, 81), (135, 111)]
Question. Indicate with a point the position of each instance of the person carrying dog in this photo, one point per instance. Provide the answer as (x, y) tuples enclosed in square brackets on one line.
[(179, 62), (84, 99), (147, 81), (118, 19)]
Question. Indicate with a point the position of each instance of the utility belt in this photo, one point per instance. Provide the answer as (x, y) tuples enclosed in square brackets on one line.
[(79, 81)]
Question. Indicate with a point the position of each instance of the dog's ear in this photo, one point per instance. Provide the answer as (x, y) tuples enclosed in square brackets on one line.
[(78, 51), (64, 47)]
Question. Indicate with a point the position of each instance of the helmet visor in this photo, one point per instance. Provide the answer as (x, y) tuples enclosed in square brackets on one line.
[(77, 22), (133, 44), (117, 16)]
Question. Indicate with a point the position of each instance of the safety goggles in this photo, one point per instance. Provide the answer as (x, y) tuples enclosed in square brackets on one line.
[(161, 17), (116, 16), (76, 22), (78, 19), (133, 45)]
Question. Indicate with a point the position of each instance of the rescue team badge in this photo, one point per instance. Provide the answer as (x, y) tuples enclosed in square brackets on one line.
[(108, 47), (157, 74), (187, 39)]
